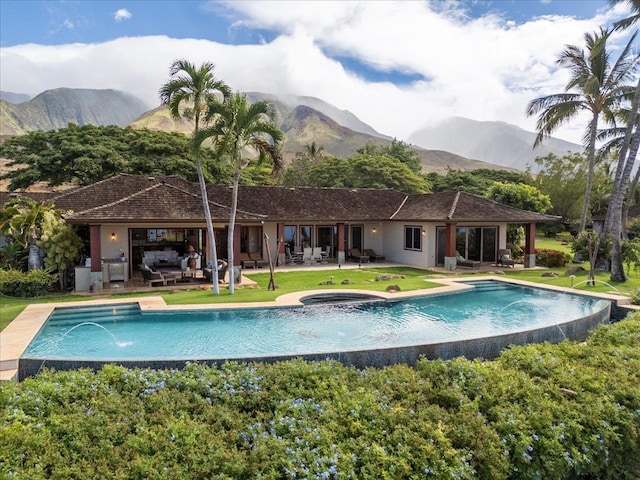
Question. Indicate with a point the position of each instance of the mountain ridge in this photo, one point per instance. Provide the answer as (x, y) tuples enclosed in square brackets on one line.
[(303, 119), (503, 143), (53, 109)]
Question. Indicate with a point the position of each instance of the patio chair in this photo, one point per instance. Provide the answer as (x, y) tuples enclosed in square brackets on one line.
[(317, 254), (326, 255), (246, 261), (257, 257), (153, 278), (463, 262), (307, 253), (505, 259), (373, 256), (356, 256)]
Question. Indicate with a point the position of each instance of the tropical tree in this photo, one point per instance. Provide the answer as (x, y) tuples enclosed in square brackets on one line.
[(21, 222), (595, 86), (297, 172), (626, 161), (242, 133), (190, 93), (61, 245)]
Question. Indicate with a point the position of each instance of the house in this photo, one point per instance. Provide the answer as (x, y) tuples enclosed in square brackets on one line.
[(137, 215)]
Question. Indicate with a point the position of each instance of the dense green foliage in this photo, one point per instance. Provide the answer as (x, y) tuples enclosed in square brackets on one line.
[(563, 179), (476, 181), (37, 226), (366, 171), (16, 283), (87, 154), (525, 197), (398, 150), (564, 411)]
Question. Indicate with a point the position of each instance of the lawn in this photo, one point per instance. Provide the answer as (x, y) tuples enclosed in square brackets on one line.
[(363, 279)]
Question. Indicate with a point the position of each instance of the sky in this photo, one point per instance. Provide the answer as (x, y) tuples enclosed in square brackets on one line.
[(397, 66)]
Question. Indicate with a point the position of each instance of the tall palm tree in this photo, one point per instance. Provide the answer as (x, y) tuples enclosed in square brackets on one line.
[(193, 89), (626, 161), (595, 86), (241, 131)]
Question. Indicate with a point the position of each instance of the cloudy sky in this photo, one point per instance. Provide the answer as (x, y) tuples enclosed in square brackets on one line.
[(396, 65)]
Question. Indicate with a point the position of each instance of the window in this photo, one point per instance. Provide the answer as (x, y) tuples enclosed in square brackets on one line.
[(305, 236), (412, 238)]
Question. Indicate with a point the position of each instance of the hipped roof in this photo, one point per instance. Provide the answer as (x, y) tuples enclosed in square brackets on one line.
[(129, 198)]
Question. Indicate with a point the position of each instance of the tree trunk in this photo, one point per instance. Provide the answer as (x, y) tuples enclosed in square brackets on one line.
[(232, 224), (207, 216), (591, 157), (614, 220)]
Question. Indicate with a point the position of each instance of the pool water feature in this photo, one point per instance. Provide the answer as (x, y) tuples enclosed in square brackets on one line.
[(479, 321)]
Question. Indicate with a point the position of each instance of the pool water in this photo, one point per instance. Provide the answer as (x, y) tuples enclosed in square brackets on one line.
[(124, 332)]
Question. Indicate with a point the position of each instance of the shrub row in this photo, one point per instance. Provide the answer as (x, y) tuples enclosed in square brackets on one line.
[(545, 411), (15, 283), (551, 258)]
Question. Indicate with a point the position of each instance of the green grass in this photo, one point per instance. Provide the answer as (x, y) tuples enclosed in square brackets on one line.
[(554, 244), (286, 282), (363, 279)]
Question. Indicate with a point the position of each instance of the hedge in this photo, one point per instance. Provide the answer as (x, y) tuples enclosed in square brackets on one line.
[(15, 283), (564, 411)]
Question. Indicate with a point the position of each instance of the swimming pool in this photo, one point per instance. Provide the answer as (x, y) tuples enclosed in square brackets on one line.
[(477, 322)]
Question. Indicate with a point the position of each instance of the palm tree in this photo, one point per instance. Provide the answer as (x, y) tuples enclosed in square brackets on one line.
[(599, 89), (313, 152), (626, 160), (240, 131), (21, 220), (194, 89)]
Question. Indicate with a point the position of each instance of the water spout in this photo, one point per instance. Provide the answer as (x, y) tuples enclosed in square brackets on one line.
[(593, 282), (115, 340)]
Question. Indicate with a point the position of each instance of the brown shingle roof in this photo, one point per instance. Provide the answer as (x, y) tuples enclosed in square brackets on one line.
[(310, 203), (464, 207), (138, 198), (157, 202)]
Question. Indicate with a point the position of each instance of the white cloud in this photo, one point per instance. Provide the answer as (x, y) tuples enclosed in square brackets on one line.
[(484, 69), (122, 14)]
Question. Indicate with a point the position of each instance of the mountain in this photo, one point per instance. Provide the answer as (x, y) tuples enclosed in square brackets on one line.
[(53, 109), (494, 142), (14, 97), (303, 124), (342, 117)]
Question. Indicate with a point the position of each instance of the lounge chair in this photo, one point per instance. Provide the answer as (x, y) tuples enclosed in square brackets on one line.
[(373, 256), (257, 257), (153, 278), (463, 262), (505, 259), (246, 261), (356, 256)]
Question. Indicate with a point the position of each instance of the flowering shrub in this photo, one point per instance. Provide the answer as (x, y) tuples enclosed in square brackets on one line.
[(563, 411)]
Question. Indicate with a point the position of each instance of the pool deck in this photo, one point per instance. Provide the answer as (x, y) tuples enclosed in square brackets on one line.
[(15, 338)]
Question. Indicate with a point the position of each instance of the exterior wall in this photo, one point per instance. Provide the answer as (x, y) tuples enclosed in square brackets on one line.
[(111, 248)]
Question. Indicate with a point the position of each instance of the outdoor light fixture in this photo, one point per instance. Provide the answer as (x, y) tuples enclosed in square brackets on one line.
[(374, 230), (113, 236), (424, 232)]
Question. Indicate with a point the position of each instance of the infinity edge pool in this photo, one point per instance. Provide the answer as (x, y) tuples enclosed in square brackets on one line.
[(18, 335)]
